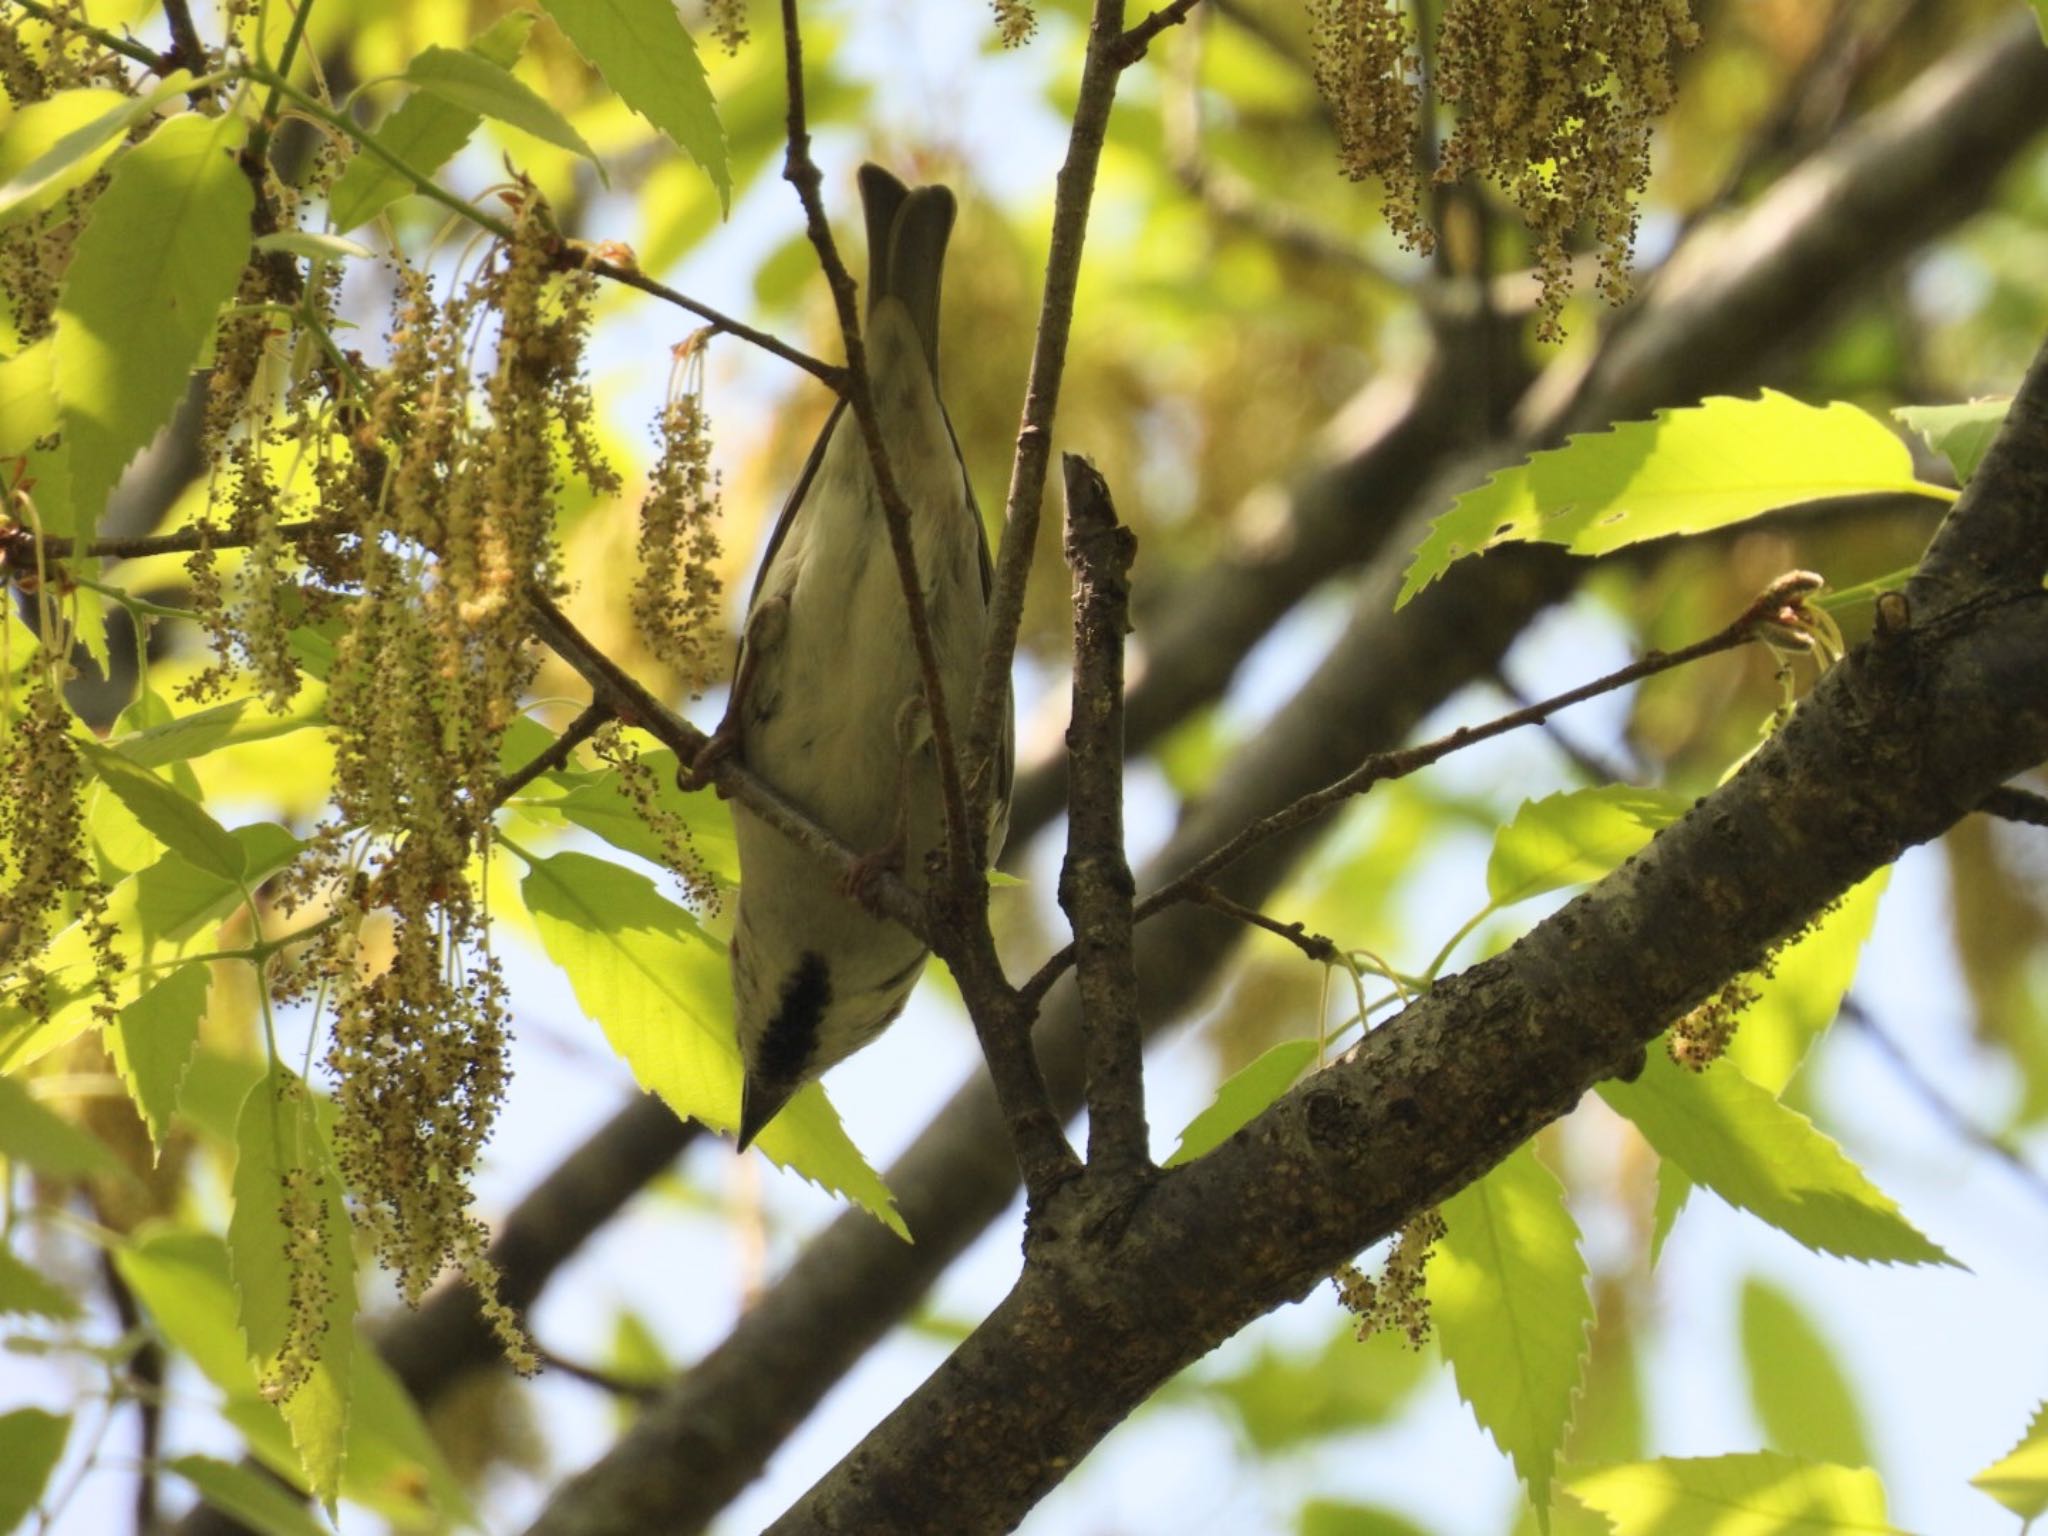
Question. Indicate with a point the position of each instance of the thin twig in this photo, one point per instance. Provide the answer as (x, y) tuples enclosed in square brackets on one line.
[(1095, 887), (580, 730), (1938, 1103), (577, 257), (1074, 192), (1132, 45), (1314, 945), (1399, 763), (2015, 804), (113, 42), (605, 1381), (801, 172), (612, 686)]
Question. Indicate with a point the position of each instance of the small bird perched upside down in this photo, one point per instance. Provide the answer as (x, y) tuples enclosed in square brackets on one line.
[(828, 705)]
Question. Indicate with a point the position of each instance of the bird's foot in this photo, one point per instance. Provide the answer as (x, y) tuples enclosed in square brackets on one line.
[(860, 879), (718, 746)]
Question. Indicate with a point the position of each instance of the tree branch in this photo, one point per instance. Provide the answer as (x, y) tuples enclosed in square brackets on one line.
[(556, 753), (2015, 804), (1095, 880)]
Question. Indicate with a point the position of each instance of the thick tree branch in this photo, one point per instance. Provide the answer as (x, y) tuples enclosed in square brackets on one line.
[(1095, 880), (1896, 743)]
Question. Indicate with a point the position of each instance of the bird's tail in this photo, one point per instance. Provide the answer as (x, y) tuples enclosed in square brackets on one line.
[(907, 233)]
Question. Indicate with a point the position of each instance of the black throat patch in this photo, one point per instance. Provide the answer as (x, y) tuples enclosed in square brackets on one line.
[(791, 1038)]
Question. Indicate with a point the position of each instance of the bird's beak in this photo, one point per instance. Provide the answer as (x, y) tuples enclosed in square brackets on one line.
[(760, 1102)]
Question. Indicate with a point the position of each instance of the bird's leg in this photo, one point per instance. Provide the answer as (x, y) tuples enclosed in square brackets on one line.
[(765, 629), (913, 731)]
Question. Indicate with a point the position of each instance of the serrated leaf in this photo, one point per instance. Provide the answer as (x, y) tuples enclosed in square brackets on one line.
[(176, 820), (1685, 471), (38, 1137), (28, 396), (182, 1280), (183, 737), (297, 1297), (1507, 1292), (52, 146), (2019, 1479), (472, 82), (424, 133), (162, 250), (254, 1500), (1801, 1396), (1341, 1517), (1758, 1494), (1674, 1189), (1285, 1399), (1961, 434), (1739, 1141), (27, 1292), (656, 984), (645, 55), (1245, 1095), (31, 1444), (1803, 991), (1574, 836), (152, 1040), (602, 806)]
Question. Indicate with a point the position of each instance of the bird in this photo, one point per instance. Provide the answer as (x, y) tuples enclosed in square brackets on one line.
[(827, 704)]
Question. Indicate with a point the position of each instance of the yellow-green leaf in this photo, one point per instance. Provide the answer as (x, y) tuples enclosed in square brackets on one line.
[(644, 54), (1961, 434), (423, 133), (176, 820), (294, 1271), (1803, 991), (161, 252), (1507, 1291), (1759, 1494), (656, 983), (29, 1293), (1739, 1141), (472, 82), (38, 1137), (253, 1499), (1245, 1094), (152, 1041), (1574, 836), (28, 396), (2019, 1479), (1685, 471), (1800, 1393), (52, 146), (31, 1442), (184, 737)]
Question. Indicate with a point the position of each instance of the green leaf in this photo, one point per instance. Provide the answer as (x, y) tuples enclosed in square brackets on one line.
[(1798, 1389), (162, 250), (1759, 1494), (2019, 1479), (471, 81), (1245, 1094), (602, 806), (1674, 1189), (31, 1443), (28, 396), (297, 1298), (180, 823), (55, 145), (39, 1137), (185, 737), (1961, 434), (424, 133), (1284, 1399), (1574, 836), (1507, 1291), (1801, 994), (251, 1498), (1686, 471), (152, 1043), (312, 246), (27, 1292), (641, 49), (1739, 1141), (181, 1277), (657, 985), (1340, 1517)]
